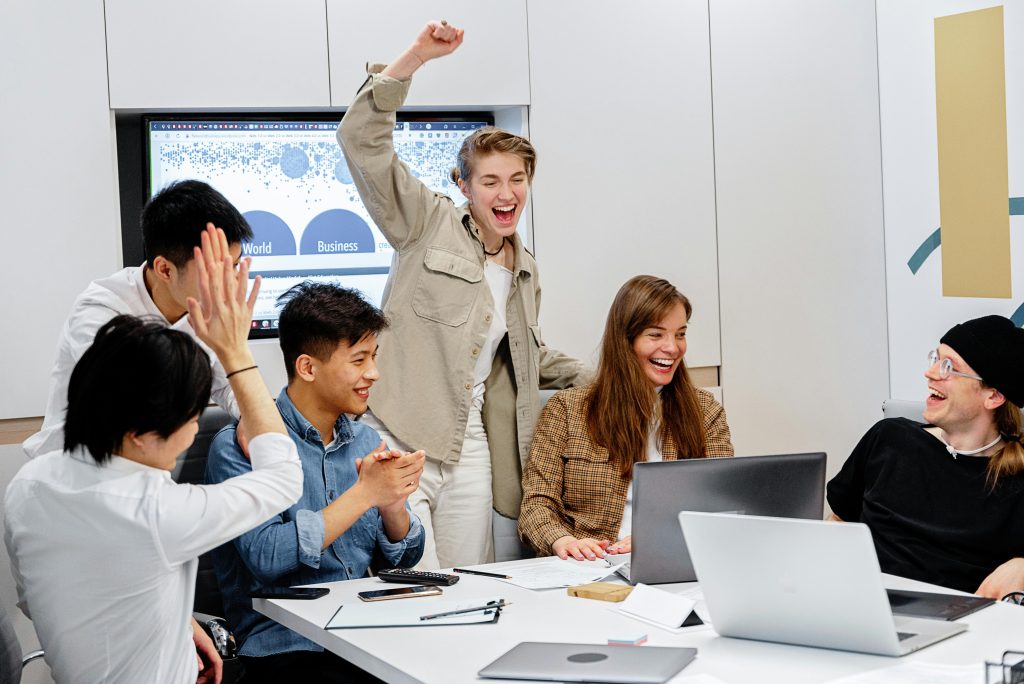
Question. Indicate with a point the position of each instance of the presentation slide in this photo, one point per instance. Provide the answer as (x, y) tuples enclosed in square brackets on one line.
[(292, 184)]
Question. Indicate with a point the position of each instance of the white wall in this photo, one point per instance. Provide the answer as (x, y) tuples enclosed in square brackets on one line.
[(919, 314), (799, 190), (621, 117), (621, 113), (57, 184)]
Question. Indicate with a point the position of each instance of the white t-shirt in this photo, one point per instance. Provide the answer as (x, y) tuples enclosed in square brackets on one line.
[(499, 280), (123, 292), (653, 454), (105, 557)]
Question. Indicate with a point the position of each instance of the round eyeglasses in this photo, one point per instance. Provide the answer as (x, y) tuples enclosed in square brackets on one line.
[(946, 366)]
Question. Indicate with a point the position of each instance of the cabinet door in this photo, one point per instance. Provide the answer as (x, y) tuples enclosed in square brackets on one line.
[(490, 69), (621, 117), (217, 53)]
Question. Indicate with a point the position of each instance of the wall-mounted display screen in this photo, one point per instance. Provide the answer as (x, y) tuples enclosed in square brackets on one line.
[(289, 179)]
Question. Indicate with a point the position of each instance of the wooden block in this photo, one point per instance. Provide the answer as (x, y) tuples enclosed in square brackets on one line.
[(601, 591)]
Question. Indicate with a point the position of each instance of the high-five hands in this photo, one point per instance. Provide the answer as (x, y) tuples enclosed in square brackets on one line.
[(222, 315)]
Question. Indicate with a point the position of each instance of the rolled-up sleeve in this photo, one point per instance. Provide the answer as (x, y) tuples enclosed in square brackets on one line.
[(405, 552), (275, 546), (309, 527)]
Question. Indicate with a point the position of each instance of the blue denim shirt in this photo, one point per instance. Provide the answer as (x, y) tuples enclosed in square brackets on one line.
[(286, 550)]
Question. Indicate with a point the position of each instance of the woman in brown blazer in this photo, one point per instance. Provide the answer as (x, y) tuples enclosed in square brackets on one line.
[(577, 488)]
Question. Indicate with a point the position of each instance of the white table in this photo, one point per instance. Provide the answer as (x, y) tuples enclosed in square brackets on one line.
[(451, 654)]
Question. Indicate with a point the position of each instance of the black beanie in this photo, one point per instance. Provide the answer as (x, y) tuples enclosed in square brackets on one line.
[(994, 347)]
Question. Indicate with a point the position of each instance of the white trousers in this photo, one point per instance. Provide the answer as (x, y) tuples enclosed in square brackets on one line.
[(454, 500)]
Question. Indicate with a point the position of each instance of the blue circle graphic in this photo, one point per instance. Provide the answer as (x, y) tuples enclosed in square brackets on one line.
[(294, 161), (342, 173), (271, 235), (337, 231)]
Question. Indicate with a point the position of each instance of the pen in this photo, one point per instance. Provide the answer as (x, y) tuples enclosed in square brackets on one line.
[(493, 604), (481, 573)]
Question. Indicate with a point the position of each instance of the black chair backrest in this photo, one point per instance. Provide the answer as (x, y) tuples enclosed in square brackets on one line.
[(10, 650), (191, 468)]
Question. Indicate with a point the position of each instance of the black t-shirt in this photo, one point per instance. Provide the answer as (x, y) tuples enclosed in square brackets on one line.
[(933, 518)]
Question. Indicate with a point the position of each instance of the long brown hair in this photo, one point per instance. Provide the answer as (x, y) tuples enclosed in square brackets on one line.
[(623, 403), (1010, 460)]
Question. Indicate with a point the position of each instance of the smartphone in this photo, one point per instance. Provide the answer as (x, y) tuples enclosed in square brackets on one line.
[(398, 592), (298, 593)]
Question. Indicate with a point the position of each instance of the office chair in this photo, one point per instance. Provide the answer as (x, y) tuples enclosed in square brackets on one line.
[(12, 660), (208, 604)]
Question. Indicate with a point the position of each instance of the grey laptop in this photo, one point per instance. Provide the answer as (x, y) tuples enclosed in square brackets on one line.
[(590, 663), (811, 583), (788, 486)]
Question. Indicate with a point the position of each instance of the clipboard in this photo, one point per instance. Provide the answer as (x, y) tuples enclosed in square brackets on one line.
[(407, 613)]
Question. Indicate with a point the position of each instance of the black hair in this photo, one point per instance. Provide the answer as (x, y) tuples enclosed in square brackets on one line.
[(138, 376), (175, 218), (317, 316)]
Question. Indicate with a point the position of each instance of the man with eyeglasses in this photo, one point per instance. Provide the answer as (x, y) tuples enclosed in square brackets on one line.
[(945, 500)]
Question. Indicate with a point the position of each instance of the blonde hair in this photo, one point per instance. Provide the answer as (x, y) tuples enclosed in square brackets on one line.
[(1010, 460), (489, 140)]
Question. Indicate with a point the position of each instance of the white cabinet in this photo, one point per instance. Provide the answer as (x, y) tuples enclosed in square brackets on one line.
[(217, 53), (621, 117), (490, 69)]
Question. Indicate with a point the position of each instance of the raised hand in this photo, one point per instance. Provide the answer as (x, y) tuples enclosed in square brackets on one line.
[(222, 315), (436, 39)]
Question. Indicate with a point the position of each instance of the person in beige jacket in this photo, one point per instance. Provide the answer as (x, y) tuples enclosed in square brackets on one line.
[(463, 359)]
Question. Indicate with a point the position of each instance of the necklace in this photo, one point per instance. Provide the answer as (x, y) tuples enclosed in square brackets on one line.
[(954, 452), (497, 251)]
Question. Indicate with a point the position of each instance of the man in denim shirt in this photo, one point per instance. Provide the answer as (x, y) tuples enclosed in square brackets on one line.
[(353, 503)]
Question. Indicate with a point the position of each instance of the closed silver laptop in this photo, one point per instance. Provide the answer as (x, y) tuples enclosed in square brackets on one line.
[(804, 582), (788, 486), (590, 663)]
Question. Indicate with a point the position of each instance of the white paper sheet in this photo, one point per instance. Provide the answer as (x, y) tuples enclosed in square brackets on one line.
[(659, 607), (553, 572)]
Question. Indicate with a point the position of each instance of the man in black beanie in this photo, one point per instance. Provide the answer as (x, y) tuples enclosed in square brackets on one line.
[(945, 500)]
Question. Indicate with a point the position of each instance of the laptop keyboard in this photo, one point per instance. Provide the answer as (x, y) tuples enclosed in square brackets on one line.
[(903, 636)]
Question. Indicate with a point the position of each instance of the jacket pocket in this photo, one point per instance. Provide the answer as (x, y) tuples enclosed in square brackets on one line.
[(447, 287)]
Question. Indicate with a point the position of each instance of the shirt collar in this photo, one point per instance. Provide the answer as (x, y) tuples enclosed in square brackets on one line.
[(139, 278), (298, 424), (116, 464), (522, 264)]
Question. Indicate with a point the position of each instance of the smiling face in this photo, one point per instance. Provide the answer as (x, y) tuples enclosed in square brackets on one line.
[(497, 192), (660, 347), (956, 401), (342, 382)]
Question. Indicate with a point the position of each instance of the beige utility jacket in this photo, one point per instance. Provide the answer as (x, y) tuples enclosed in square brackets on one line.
[(440, 308)]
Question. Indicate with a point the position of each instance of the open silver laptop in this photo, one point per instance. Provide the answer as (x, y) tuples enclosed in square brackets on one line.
[(788, 485), (590, 663), (804, 582)]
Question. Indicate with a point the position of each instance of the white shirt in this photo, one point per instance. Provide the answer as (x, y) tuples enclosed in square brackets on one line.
[(653, 455), (121, 293), (105, 557), (499, 281)]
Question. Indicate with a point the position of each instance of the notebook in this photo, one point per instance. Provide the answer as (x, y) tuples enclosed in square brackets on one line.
[(804, 582), (590, 663), (789, 486)]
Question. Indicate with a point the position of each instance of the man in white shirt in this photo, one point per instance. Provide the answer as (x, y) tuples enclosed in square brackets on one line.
[(104, 545), (172, 223)]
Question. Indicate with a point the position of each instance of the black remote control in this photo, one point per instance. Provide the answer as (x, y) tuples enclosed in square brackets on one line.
[(405, 576)]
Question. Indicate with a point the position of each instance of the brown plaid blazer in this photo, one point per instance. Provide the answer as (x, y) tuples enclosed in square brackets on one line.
[(569, 485)]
